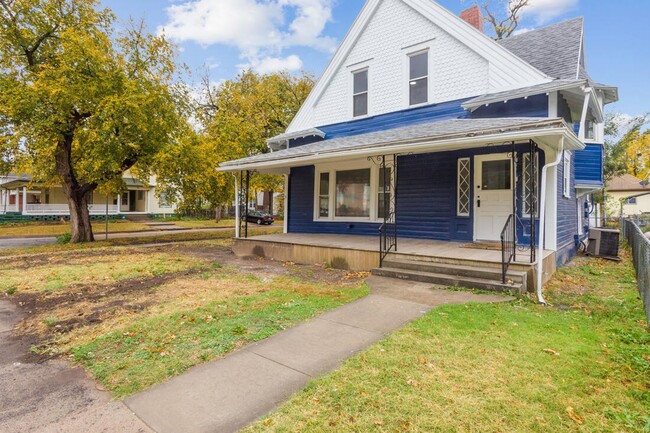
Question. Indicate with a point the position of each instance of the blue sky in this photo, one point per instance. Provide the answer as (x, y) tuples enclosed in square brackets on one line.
[(224, 36)]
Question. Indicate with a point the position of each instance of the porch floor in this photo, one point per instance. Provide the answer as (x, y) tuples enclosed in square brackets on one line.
[(407, 246)]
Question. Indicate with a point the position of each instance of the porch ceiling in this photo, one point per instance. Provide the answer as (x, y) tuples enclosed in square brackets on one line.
[(430, 137)]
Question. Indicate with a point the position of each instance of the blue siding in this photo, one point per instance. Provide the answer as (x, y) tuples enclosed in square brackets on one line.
[(397, 119), (533, 106), (426, 199), (567, 213), (301, 208), (564, 111), (589, 165)]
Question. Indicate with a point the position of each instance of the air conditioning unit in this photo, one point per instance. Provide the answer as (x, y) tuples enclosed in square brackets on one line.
[(603, 242)]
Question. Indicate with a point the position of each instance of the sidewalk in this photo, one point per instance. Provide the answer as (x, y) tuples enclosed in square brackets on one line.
[(228, 394), (24, 242)]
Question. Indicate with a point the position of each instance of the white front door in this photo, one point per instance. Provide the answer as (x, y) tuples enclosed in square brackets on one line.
[(493, 183)]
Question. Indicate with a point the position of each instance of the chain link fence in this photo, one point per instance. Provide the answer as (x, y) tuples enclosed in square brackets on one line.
[(640, 245)]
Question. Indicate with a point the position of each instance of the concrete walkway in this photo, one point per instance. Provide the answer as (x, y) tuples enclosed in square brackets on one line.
[(228, 394)]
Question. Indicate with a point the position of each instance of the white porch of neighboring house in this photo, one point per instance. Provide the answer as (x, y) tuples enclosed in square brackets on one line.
[(24, 197)]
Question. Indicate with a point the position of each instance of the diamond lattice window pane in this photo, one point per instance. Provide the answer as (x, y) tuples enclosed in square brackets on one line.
[(464, 181)]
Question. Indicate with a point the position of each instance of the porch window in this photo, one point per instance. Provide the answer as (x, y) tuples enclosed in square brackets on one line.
[(419, 78), (567, 175), (353, 193), (324, 195), (526, 191), (384, 191), (125, 199), (464, 185), (360, 93)]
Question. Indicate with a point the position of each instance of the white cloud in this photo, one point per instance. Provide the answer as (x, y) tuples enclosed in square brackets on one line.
[(269, 65), (260, 29), (545, 10)]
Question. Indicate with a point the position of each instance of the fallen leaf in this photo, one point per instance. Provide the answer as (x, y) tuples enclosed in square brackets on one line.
[(574, 416), (551, 352), (267, 422)]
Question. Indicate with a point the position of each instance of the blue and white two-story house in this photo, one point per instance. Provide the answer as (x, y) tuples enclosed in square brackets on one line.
[(425, 142)]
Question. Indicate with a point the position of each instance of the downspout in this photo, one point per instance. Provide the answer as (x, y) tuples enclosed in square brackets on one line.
[(542, 221)]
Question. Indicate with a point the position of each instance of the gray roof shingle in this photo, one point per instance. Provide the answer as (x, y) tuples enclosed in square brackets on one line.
[(554, 50), (428, 131)]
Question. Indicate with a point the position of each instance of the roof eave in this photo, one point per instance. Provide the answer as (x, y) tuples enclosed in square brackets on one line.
[(475, 103), (571, 142)]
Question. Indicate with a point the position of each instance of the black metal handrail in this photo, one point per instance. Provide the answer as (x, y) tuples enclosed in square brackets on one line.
[(387, 240), (508, 246)]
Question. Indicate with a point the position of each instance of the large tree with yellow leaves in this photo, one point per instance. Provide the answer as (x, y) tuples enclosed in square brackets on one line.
[(79, 104)]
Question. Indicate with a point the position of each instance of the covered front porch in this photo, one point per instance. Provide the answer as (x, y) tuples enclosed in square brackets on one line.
[(467, 193)]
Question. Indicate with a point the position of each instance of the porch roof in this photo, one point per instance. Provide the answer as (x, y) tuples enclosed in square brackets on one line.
[(429, 137)]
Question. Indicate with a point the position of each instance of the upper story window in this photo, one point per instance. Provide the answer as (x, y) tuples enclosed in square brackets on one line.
[(419, 78), (590, 129), (360, 93)]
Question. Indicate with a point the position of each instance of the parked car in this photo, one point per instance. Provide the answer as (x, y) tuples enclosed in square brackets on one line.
[(258, 217)]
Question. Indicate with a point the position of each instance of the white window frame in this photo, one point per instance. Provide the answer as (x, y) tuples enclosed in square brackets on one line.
[(332, 169), (367, 92), (417, 50), (566, 185), (469, 187), (352, 69)]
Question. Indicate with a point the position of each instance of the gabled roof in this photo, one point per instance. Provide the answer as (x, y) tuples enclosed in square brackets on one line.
[(556, 50), (627, 182), (424, 137), (509, 69)]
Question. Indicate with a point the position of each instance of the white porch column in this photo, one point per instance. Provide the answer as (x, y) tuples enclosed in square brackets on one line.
[(24, 199), (17, 201), (285, 211), (237, 210)]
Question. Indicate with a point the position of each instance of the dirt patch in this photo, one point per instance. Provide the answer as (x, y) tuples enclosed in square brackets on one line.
[(51, 315)]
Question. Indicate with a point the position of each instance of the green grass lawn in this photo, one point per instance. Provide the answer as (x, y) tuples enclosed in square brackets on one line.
[(580, 365), (136, 316)]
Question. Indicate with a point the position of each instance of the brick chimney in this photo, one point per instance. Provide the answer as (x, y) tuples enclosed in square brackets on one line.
[(474, 16)]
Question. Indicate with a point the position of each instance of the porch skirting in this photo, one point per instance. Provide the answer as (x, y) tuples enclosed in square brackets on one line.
[(360, 253)]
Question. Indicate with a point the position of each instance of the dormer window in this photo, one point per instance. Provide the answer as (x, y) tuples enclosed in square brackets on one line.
[(360, 93), (419, 78)]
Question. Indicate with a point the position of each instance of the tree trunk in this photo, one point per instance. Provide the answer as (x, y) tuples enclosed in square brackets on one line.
[(80, 227), (270, 195), (76, 192), (217, 214)]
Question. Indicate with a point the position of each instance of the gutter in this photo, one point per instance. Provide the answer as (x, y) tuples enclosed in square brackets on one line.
[(542, 221)]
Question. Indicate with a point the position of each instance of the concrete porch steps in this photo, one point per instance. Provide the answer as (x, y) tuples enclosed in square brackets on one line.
[(473, 277)]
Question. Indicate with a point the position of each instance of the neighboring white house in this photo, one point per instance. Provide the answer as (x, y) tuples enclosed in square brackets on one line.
[(20, 194), (630, 192)]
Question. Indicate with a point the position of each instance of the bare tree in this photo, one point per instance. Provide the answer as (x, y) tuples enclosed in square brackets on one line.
[(505, 17)]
